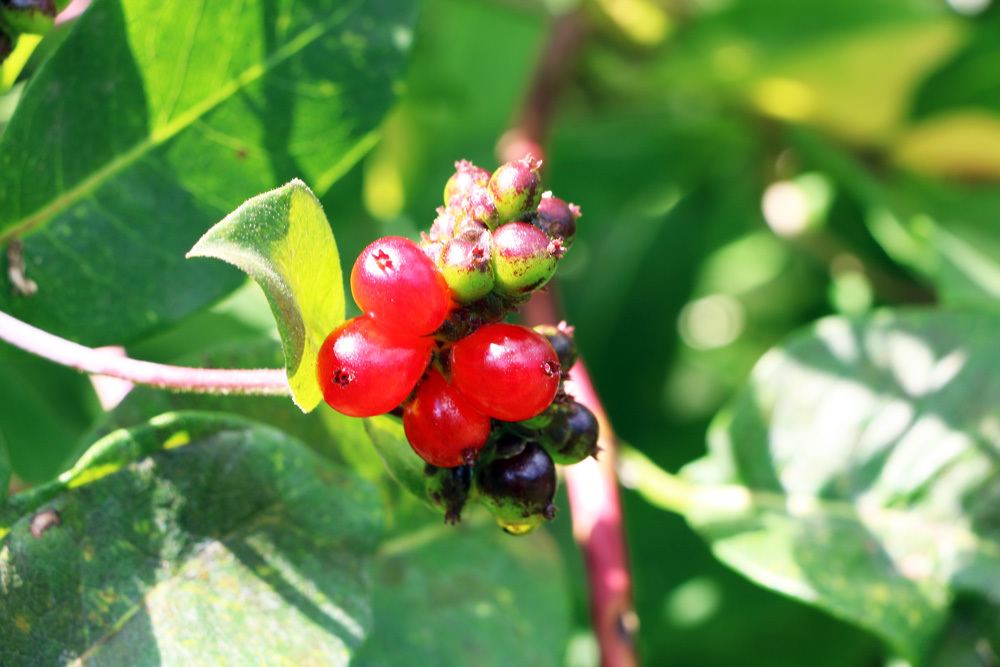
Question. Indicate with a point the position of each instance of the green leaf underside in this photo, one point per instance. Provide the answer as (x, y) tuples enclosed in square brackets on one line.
[(859, 471), (175, 112), (196, 539), (282, 240), (468, 595)]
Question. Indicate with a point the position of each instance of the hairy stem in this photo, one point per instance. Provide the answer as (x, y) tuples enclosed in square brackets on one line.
[(108, 363), (592, 485)]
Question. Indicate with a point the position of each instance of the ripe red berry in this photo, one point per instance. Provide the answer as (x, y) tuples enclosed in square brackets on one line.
[(507, 371), (442, 425), (398, 286), (364, 371)]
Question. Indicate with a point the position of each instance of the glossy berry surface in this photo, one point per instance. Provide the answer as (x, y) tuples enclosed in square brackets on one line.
[(519, 490), (363, 371), (442, 425), (507, 371), (557, 218), (524, 258), (466, 267), (572, 436), (399, 287), (516, 187)]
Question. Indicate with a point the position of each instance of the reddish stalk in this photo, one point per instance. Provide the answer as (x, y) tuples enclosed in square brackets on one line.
[(111, 364), (598, 526)]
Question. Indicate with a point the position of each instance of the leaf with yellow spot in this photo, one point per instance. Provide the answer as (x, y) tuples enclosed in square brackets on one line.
[(283, 241)]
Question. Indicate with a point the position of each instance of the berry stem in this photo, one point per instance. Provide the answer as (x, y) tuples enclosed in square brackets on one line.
[(592, 485), (108, 363)]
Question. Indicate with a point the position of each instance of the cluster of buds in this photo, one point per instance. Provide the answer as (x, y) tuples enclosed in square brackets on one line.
[(499, 234)]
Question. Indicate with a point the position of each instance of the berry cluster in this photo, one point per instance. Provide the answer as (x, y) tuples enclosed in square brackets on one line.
[(482, 400)]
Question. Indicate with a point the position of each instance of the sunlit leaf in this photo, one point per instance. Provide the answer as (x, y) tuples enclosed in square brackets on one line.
[(859, 471), (283, 241), (154, 119), (196, 539)]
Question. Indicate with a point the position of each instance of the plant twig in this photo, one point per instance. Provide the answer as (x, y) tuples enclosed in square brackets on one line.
[(598, 526), (103, 362)]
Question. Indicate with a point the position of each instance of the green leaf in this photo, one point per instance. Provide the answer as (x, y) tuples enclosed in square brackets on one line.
[(44, 409), (190, 107), (402, 463), (195, 539), (282, 240), (859, 471), (455, 596)]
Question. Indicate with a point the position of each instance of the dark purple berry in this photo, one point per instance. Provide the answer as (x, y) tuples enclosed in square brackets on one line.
[(572, 435), (519, 490), (561, 339), (557, 218), (448, 489)]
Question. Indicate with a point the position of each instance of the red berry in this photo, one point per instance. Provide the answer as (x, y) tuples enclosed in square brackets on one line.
[(398, 286), (363, 371), (507, 371), (442, 425)]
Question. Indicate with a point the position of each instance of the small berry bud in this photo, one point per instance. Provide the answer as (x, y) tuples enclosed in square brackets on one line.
[(557, 218), (466, 177), (522, 258), (561, 339), (466, 267), (572, 436), (444, 225), (448, 489), (516, 187), (519, 490), (479, 206)]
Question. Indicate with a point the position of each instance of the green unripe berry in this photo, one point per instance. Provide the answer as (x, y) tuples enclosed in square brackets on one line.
[(31, 16), (516, 188), (466, 267), (524, 258), (519, 490), (448, 489)]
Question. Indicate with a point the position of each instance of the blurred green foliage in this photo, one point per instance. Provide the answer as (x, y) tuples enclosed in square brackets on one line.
[(744, 168)]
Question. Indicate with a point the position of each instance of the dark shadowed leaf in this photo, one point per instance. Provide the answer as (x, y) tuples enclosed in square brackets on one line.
[(153, 120), (859, 471), (196, 539), (456, 596), (282, 240), (400, 460)]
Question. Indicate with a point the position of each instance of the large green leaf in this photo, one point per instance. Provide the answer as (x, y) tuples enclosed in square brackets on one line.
[(153, 119), (282, 240), (455, 596), (401, 462), (859, 471), (4, 470), (196, 539)]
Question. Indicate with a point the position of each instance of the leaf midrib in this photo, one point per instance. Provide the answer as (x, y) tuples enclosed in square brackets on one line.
[(165, 132)]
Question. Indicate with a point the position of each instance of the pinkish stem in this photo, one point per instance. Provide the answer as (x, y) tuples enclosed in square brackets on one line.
[(108, 363), (592, 485)]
